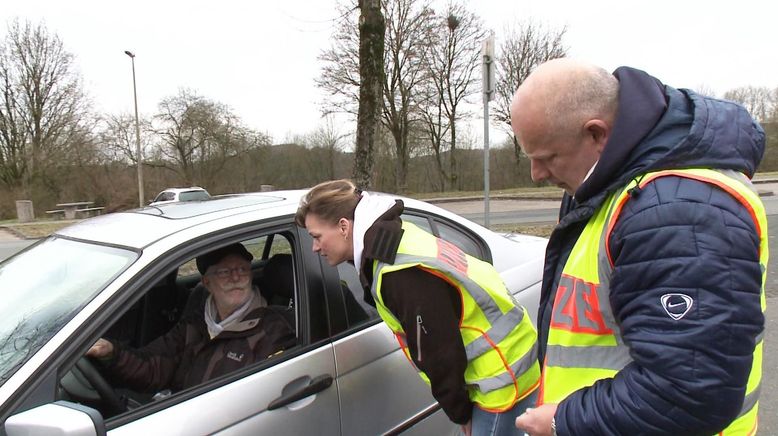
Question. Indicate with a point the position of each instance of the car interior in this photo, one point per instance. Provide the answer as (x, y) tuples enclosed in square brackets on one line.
[(174, 298)]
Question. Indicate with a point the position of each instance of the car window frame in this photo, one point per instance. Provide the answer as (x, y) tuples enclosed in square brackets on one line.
[(212, 241), (484, 253), (44, 384), (305, 345), (337, 299)]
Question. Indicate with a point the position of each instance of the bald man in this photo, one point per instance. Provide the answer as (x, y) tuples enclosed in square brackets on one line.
[(652, 306)]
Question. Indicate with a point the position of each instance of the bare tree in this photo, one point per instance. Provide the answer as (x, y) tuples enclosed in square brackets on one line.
[(772, 116), (452, 60), (340, 76), (408, 29), (410, 25), (198, 136), (758, 100), (523, 48), (705, 89), (330, 140), (117, 138), (44, 109)]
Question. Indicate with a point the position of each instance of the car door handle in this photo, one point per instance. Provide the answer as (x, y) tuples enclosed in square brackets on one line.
[(316, 385)]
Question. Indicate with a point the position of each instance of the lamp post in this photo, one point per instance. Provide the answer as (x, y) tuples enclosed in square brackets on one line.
[(138, 154), (487, 70)]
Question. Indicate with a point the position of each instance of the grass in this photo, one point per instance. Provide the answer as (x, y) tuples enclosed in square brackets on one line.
[(45, 228), (543, 230), (38, 229), (528, 193)]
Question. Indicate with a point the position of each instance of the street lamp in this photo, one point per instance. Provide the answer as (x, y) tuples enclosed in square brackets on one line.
[(137, 132)]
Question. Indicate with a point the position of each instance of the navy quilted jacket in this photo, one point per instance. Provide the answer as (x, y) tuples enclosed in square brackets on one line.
[(675, 235)]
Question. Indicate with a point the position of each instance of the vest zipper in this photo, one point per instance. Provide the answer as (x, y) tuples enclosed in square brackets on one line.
[(419, 328)]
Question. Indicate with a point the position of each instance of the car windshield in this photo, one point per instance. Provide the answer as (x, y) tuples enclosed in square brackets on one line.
[(193, 195), (44, 287)]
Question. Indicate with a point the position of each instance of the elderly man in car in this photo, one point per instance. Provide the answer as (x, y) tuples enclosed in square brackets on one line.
[(234, 328)]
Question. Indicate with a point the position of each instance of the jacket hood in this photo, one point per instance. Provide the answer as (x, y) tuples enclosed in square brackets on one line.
[(658, 127)]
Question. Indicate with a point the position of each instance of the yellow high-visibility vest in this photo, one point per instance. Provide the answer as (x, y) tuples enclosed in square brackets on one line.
[(499, 338), (588, 346)]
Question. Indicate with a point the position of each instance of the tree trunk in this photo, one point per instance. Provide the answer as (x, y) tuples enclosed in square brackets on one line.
[(371, 72), (452, 158), (516, 148)]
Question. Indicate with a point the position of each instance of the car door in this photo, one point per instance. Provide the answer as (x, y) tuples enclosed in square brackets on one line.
[(292, 392), (245, 406), (379, 390), (294, 395)]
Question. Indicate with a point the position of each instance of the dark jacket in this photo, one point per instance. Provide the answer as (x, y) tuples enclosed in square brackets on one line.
[(675, 235), (186, 356), (435, 312)]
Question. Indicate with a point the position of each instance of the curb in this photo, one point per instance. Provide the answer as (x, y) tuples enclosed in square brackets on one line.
[(764, 180), (761, 192), (491, 197)]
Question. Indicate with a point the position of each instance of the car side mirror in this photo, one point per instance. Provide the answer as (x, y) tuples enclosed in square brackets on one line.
[(60, 417)]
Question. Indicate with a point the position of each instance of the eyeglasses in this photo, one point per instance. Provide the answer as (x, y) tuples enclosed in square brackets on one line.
[(224, 273)]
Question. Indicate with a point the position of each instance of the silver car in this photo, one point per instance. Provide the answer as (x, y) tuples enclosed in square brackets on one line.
[(129, 276), (170, 195)]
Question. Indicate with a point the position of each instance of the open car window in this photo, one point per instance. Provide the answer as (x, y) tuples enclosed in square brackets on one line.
[(164, 345)]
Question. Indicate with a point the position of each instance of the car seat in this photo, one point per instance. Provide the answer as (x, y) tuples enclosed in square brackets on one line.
[(276, 280)]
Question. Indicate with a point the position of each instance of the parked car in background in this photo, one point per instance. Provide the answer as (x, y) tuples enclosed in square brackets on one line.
[(170, 195), (130, 276)]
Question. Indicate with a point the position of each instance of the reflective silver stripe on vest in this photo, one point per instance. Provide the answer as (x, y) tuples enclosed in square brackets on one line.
[(501, 324), (597, 357), (750, 401), (740, 177), (521, 366), (605, 357), (500, 330), (482, 298)]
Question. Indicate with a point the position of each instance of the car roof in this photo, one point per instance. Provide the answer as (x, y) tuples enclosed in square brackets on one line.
[(137, 228)]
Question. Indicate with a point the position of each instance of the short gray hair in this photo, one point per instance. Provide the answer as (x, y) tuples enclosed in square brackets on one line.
[(592, 93)]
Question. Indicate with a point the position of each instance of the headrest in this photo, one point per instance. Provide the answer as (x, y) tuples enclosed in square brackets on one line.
[(277, 277)]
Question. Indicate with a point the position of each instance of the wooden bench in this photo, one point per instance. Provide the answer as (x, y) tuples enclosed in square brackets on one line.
[(57, 213), (90, 211)]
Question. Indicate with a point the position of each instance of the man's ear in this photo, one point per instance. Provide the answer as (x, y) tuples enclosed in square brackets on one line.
[(598, 131)]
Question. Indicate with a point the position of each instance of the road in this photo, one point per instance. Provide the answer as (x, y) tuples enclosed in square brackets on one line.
[(10, 245), (510, 211)]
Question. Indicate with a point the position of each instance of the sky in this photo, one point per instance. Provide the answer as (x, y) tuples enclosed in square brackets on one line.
[(260, 57)]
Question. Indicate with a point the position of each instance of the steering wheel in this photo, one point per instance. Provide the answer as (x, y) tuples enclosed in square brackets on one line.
[(110, 399)]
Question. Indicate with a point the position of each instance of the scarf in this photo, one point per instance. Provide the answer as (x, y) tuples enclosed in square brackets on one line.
[(212, 314), (368, 210)]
